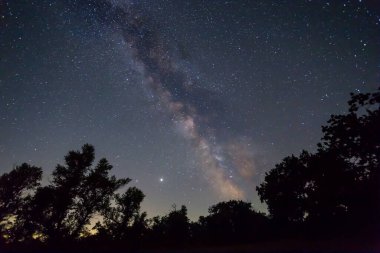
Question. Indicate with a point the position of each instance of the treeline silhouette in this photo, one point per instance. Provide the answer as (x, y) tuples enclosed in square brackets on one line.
[(332, 194)]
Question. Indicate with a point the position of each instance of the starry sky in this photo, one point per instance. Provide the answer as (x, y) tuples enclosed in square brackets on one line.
[(193, 100)]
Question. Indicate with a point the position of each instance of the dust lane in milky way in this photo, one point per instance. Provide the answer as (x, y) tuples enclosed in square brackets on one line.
[(193, 100), (175, 92)]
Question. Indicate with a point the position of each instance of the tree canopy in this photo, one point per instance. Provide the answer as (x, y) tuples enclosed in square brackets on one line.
[(332, 191), (338, 183)]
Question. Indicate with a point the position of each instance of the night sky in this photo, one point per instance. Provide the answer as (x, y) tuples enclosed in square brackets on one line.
[(193, 100)]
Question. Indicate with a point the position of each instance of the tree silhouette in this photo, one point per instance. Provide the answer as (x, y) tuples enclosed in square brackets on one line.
[(332, 192), (63, 209), (284, 189), (355, 138), (94, 195), (338, 184), (123, 220), (13, 186), (15, 192), (172, 229), (232, 222)]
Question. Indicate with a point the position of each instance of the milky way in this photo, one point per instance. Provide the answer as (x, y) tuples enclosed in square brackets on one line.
[(194, 100), (180, 97)]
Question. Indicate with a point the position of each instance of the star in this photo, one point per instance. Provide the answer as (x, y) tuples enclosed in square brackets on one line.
[(188, 99)]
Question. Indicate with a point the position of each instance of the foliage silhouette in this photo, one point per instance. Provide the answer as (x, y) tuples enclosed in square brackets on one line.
[(63, 209), (13, 186), (15, 193), (172, 229), (337, 185), (330, 193), (123, 219), (232, 222)]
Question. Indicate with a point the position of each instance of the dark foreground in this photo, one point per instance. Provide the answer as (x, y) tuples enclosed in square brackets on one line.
[(342, 245)]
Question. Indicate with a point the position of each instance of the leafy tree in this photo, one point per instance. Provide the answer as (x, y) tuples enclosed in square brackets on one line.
[(284, 189), (172, 229), (306, 187), (232, 222), (123, 220), (78, 191), (340, 182), (355, 138), (328, 188), (94, 195), (14, 185), (15, 192)]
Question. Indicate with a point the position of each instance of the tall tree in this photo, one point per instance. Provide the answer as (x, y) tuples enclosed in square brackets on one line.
[(78, 191), (14, 185), (16, 188), (339, 183), (123, 219), (355, 138), (284, 189)]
